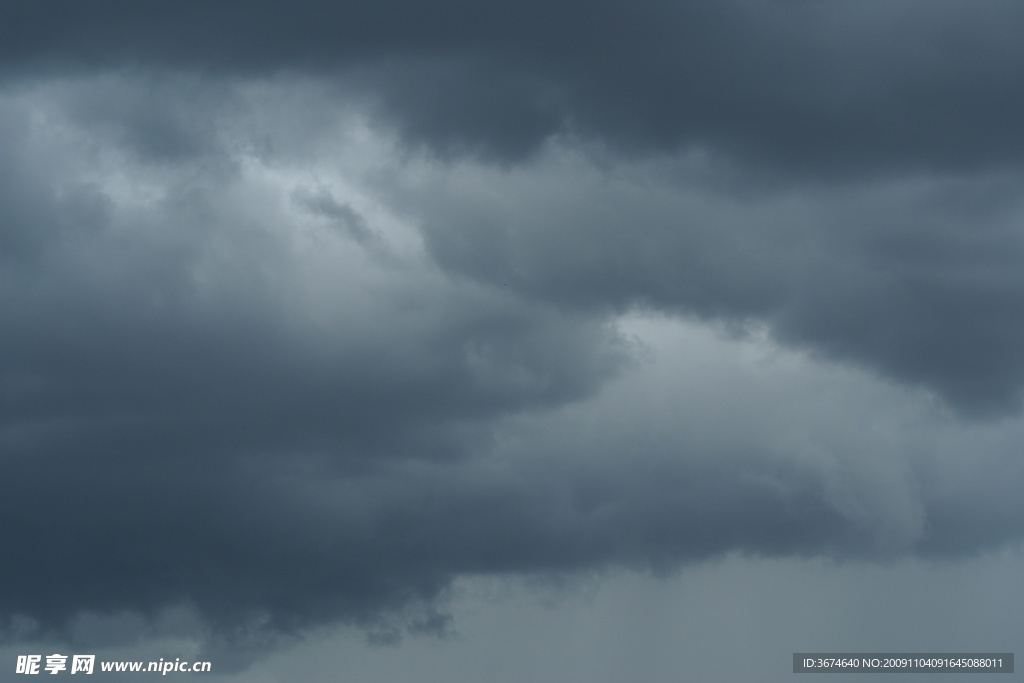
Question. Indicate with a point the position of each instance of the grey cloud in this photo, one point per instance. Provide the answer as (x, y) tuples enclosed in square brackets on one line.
[(172, 438), (159, 118), (347, 219), (211, 396), (820, 88), (178, 374), (917, 279)]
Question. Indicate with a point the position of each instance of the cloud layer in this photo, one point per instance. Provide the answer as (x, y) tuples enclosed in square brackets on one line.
[(819, 87), (309, 312)]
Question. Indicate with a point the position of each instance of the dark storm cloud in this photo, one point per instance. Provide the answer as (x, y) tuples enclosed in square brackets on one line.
[(250, 541), (161, 356), (227, 380), (806, 86), (177, 374), (834, 91), (918, 279)]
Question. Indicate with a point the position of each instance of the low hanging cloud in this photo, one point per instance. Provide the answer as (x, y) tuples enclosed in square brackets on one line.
[(819, 88), (308, 313), (915, 279), (203, 340)]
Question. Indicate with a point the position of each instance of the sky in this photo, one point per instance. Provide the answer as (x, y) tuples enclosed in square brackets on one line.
[(459, 341)]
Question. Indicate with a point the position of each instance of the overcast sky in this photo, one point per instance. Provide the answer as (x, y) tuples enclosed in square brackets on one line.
[(548, 341)]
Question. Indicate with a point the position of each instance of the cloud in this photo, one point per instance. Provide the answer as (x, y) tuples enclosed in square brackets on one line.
[(916, 279), (309, 314), (797, 87), (180, 366)]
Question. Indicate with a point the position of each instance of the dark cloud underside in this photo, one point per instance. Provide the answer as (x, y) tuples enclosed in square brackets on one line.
[(309, 310), (810, 87)]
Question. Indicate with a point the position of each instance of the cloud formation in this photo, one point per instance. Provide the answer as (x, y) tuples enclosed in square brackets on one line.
[(308, 312), (806, 87)]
